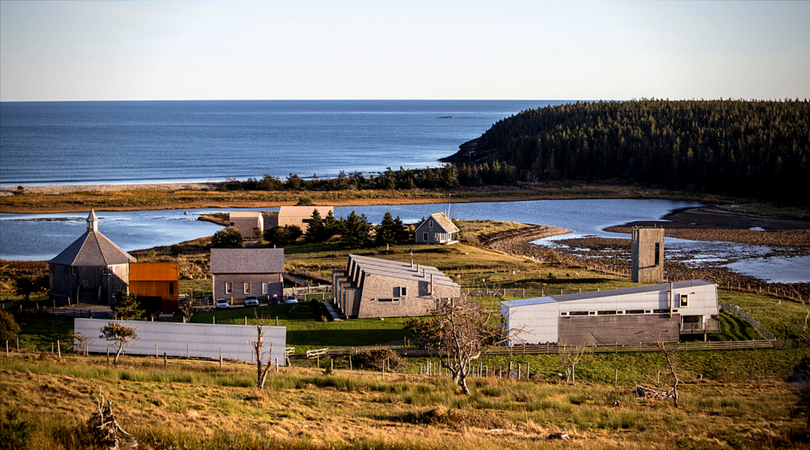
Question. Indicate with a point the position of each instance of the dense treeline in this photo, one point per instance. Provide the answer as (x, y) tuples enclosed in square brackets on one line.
[(750, 148)]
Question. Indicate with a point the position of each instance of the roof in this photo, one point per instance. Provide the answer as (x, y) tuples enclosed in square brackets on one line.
[(443, 222), (247, 260), (93, 249), (304, 211), (663, 287), (401, 270), (245, 215)]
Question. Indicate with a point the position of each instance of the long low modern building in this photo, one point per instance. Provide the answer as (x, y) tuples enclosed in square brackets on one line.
[(373, 287), (618, 316)]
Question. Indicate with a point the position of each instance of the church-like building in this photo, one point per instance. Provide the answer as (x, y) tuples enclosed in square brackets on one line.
[(90, 270)]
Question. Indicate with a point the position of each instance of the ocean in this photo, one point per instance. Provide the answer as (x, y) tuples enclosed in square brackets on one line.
[(175, 141)]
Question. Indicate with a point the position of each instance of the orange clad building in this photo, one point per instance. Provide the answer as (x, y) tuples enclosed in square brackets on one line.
[(156, 281)]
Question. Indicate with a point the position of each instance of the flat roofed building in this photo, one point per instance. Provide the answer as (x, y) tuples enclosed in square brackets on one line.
[(249, 223), (617, 316), (157, 283), (296, 215), (437, 229), (373, 287), (239, 272)]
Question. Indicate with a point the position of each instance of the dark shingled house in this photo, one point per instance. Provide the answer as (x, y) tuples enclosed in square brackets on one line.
[(238, 272), (90, 270)]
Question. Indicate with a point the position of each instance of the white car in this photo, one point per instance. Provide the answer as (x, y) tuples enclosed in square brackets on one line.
[(251, 300), (222, 303), (290, 299)]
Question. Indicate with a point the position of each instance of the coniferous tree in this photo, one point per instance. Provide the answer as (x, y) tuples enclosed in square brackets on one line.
[(355, 231), (315, 231)]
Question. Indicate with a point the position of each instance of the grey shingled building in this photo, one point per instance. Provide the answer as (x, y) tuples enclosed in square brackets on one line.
[(372, 287), (239, 272), (89, 270)]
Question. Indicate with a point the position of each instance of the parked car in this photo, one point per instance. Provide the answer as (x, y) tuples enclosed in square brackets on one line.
[(251, 300), (273, 300), (222, 303), (290, 299)]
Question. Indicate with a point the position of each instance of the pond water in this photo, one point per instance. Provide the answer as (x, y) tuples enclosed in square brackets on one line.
[(43, 236)]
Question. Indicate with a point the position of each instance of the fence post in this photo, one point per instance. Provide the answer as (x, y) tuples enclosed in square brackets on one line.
[(156, 352), (108, 356), (220, 357), (165, 360), (6, 347), (188, 352), (58, 348)]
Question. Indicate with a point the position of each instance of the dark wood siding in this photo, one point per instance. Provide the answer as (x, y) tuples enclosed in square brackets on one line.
[(618, 329)]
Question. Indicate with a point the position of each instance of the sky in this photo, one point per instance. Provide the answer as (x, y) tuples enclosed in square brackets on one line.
[(538, 50)]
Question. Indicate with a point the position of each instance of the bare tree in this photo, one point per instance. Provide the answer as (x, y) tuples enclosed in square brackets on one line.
[(669, 354), (83, 340), (258, 347), (119, 335), (459, 332), (569, 357)]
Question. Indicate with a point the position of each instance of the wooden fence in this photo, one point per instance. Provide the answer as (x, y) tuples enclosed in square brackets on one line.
[(554, 349), (746, 317)]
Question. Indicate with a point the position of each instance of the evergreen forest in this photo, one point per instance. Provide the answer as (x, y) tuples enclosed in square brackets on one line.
[(755, 149)]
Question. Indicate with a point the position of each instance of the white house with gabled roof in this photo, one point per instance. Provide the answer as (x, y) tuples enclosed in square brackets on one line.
[(437, 229)]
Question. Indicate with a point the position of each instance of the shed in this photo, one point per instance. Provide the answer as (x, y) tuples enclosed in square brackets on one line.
[(156, 283), (249, 223)]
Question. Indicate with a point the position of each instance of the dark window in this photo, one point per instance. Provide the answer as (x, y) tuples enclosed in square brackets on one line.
[(657, 253), (171, 288)]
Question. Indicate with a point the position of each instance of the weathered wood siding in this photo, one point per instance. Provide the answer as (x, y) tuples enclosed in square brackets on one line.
[(274, 279), (618, 329), (647, 262)]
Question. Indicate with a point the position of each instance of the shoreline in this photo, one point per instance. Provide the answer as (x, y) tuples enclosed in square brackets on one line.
[(55, 189)]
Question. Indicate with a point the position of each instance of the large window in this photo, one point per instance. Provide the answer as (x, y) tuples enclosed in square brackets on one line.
[(265, 288), (400, 291), (228, 287), (246, 287)]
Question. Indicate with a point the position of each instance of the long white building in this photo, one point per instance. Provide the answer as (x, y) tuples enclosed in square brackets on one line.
[(617, 316)]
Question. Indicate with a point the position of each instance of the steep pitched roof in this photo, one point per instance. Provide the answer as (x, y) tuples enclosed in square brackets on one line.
[(93, 249), (247, 260), (443, 222)]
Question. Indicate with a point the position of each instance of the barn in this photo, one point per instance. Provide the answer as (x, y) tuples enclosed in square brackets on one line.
[(90, 270), (623, 316)]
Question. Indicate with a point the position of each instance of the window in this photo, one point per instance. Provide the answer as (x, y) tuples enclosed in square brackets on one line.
[(265, 288), (228, 287), (74, 270), (430, 224), (171, 288), (634, 311), (424, 237), (578, 313), (387, 300), (400, 291), (620, 313), (657, 253), (564, 313), (105, 270), (246, 287), (684, 300), (648, 311), (591, 313)]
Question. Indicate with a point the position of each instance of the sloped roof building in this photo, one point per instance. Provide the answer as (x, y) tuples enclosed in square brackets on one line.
[(90, 270), (373, 287), (239, 272), (437, 229)]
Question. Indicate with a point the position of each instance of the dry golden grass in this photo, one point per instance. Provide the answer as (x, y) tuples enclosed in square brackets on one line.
[(194, 404)]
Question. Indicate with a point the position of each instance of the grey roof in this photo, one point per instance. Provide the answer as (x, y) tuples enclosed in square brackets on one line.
[(443, 222), (93, 249), (247, 260), (663, 287), (401, 270)]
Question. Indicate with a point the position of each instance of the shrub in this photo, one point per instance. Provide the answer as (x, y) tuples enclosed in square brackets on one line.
[(228, 238), (374, 360), (8, 326)]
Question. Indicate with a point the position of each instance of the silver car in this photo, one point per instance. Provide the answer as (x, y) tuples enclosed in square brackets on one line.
[(222, 303)]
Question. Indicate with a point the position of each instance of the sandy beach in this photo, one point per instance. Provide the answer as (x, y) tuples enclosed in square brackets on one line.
[(6, 191)]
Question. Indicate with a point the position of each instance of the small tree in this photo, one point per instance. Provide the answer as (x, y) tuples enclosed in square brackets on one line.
[(83, 340), (387, 232), (119, 335), (315, 230), (126, 307), (8, 326), (305, 201), (188, 309), (278, 236), (294, 232), (355, 231), (569, 357), (26, 286), (459, 333), (228, 238)]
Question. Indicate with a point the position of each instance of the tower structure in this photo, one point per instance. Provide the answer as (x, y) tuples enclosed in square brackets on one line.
[(648, 255)]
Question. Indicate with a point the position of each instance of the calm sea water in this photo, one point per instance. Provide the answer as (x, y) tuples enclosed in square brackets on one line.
[(120, 142)]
